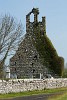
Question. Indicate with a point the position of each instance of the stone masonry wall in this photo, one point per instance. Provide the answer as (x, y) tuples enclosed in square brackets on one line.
[(26, 63), (36, 54), (20, 85)]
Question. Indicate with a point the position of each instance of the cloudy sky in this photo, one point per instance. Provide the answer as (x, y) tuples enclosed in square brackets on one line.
[(56, 18)]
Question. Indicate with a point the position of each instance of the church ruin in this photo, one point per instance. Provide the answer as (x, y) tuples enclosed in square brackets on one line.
[(28, 62)]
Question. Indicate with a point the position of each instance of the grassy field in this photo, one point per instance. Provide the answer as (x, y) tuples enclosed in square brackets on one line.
[(12, 95)]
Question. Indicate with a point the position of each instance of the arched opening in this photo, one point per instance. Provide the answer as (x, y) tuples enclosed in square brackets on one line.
[(32, 17)]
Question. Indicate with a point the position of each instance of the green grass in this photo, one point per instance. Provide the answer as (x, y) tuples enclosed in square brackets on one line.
[(29, 93), (59, 97)]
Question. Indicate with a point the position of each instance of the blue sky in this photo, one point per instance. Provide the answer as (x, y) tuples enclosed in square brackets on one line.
[(56, 18)]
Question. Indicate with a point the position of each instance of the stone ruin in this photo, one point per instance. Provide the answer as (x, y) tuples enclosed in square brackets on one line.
[(29, 25), (27, 63)]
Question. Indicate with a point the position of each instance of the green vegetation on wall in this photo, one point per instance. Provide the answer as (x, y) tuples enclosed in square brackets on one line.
[(47, 51), (65, 73)]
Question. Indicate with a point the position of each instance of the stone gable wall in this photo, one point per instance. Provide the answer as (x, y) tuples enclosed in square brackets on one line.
[(36, 54), (20, 85), (24, 62)]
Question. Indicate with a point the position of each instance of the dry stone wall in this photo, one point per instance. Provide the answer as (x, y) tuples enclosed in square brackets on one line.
[(20, 85)]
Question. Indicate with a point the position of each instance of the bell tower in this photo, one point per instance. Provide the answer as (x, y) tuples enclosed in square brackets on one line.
[(29, 25)]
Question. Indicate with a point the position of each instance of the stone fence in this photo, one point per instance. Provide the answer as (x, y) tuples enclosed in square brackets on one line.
[(20, 85)]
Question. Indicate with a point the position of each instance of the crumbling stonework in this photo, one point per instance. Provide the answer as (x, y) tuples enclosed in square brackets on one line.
[(26, 62), (30, 25), (29, 62)]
